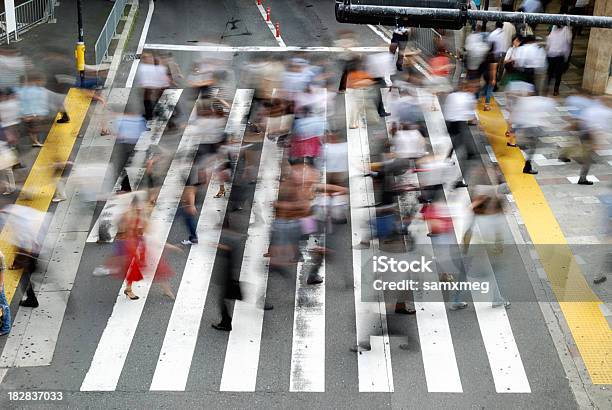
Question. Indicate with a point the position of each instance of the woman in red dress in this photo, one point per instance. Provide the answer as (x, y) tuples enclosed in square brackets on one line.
[(130, 248)]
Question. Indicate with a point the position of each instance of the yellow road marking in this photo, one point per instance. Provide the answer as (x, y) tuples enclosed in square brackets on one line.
[(579, 304), (41, 179)]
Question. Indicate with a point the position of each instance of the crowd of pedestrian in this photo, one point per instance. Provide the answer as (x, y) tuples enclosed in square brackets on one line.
[(296, 104)]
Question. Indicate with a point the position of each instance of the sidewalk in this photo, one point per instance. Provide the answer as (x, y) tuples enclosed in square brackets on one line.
[(62, 35)]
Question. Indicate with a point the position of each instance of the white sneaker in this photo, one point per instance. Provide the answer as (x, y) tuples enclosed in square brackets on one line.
[(101, 271)]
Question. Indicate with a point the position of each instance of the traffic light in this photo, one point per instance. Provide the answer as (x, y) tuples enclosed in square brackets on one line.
[(381, 16)]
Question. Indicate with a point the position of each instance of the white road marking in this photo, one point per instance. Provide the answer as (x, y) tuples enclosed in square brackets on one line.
[(141, 45), (244, 343), (271, 25), (375, 373), (380, 33), (35, 331), (504, 357), (267, 49), (117, 204), (491, 154), (114, 345), (308, 342), (174, 363), (437, 350)]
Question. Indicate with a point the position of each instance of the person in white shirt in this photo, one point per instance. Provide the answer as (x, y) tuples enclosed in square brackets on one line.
[(529, 58), (459, 110), (336, 160), (592, 120), (398, 43), (530, 116), (501, 38), (558, 47), (153, 78)]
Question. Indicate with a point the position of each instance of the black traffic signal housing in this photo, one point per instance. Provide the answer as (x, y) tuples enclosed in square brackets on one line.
[(344, 14)]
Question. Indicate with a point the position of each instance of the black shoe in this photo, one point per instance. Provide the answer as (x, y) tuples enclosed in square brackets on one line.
[(584, 181), (226, 327), (404, 311), (268, 306), (530, 171), (511, 145), (384, 114), (63, 119), (564, 159), (600, 279), (361, 348), (460, 184), (31, 303), (314, 279)]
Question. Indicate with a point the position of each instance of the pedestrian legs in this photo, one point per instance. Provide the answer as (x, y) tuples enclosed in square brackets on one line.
[(6, 314), (531, 135), (555, 72)]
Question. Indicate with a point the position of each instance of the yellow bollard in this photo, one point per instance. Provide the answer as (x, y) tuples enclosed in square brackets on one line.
[(79, 54)]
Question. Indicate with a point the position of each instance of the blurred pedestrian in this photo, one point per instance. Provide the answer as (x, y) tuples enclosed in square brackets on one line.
[(346, 40), (459, 110), (399, 40), (558, 48), (5, 310), (8, 160), (358, 80), (28, 228), (38, 106), (529, 116), (229, 248), (128, 128)]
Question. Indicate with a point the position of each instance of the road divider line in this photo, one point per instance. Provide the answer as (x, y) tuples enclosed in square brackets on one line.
[(117, 204), (374, 366), (308, 342), (268, 20), (141, 42), (379, 33), (504, 357), (174, 363), (580, 306), (256, 49), (244, 342), (114, 345)]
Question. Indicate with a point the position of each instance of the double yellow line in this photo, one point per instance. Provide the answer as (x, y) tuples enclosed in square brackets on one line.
[(39, 187), (580, 306)]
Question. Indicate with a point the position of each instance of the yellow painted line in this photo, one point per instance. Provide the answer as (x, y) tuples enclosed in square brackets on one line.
[(579, 304), (41, 179)]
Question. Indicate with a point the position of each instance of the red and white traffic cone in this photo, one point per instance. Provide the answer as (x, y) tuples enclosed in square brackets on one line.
[(268, 14), (277, 29)]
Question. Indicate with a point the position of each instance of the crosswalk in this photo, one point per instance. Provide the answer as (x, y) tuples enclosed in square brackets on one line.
[(308, 354)]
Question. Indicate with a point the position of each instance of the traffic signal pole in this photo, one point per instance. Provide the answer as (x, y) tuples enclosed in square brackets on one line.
[(346, 12), (79, 51)]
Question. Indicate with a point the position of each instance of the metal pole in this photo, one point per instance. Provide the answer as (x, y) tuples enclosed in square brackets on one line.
[(79, 52), (347, 11)]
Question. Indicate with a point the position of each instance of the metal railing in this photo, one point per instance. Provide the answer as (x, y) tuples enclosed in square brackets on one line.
[(425, 39), (27, 15), (109, 30)]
